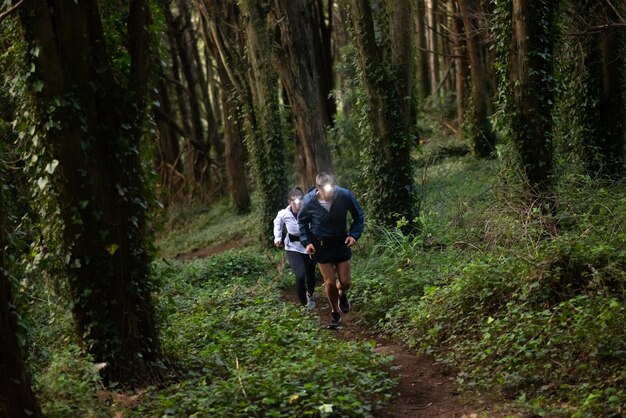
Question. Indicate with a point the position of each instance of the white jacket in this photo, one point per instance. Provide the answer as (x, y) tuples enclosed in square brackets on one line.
[(287, 218)]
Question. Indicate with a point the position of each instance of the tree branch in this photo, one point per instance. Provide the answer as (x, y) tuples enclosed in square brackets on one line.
[(596, 29), (10, 10)]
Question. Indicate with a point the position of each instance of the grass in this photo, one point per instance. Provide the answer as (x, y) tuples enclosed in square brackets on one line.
[(183, 230), (534, 315)]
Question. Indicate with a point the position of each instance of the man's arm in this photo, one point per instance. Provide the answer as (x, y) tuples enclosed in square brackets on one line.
[(358, 217), (304, 221)]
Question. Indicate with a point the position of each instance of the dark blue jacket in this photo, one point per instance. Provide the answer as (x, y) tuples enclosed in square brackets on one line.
[(316, 222)]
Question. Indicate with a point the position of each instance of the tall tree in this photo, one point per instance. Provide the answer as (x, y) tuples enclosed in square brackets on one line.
[(482, 138), (605, 114), (226, 41), (184, 55), (424, 89), (98, 111), (264, 130), (383, 37), (16, 396), (222, 20), (322, 19), (296, 64), (526, 33), (461, 64)]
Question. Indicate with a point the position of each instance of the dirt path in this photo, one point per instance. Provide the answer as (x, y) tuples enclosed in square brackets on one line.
[(425, 389)]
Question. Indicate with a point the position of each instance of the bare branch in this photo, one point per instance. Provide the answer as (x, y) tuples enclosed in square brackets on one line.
[(596, 29), (10, 10)]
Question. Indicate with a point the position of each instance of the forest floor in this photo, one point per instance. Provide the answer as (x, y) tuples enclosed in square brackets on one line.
[(425, 389)]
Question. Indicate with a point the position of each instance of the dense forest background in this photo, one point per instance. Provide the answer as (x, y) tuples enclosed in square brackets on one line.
[(486, 140)]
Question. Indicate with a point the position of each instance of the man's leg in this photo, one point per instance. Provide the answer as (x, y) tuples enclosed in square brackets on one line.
[(328, 273), (344, 271)]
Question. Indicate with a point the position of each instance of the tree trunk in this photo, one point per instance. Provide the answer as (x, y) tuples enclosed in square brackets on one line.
[(461, 64), (432, 39), (346, 74), (386, 61), (531, 77), (322, 43), (16, 396), (168, 162), (263, 125), (483, 139), (605, 147), (99, 178), (296, 64), (199, 159), (227, 45), (424, 88)]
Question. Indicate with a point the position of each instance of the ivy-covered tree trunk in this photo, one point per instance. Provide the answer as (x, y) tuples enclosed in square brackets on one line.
[(297, 67), (16, 396), (265, 138), (383, 38), (482, 138), (91, 125), (530, 69)]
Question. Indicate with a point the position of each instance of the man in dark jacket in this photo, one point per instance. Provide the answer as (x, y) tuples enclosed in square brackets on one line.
[(324, 234)]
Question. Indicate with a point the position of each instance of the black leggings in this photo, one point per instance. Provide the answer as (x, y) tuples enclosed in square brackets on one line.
[(304, 269)]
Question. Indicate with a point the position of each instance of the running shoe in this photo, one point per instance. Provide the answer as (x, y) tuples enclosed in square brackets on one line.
[(311, 302), (335, 320), (344, 304)]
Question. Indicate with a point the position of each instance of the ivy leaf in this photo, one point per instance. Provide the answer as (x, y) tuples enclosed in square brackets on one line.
[(326, 408), (52, 166), (112, 248), (42, 182), (38, 86)]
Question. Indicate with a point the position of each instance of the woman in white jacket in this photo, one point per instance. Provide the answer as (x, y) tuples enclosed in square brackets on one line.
[(300, 262)]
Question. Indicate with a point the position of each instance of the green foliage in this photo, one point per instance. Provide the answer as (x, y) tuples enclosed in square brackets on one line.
[(343, 139), (68, 386), (236, 349), (184, 229), (244, 352), (540, 318)]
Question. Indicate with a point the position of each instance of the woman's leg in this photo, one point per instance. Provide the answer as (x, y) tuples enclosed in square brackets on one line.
[(310, 273), (296, 262)]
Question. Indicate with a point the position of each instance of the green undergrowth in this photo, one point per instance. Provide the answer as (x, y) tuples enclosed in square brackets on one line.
[(527, 306), (236, 349), (185, 229), (530, 306)]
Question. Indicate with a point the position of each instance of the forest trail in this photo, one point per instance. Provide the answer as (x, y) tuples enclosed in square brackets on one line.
[(425, 389)]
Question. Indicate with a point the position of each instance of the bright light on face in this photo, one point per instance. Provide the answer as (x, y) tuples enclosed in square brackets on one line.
[(328, 188), (297, 201)]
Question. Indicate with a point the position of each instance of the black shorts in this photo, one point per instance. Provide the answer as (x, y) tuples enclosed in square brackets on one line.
[(332, 250)]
